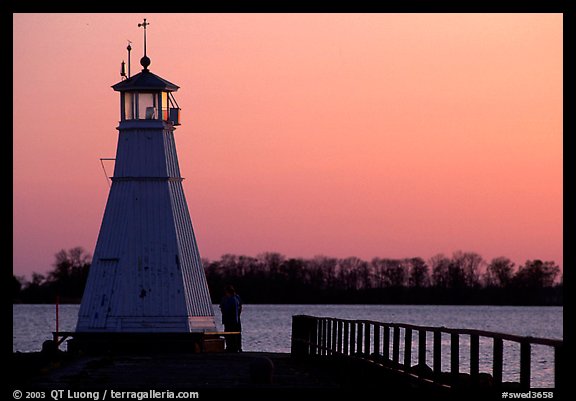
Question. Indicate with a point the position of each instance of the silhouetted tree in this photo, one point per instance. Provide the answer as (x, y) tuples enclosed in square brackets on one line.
[(16, 287), (293, 271), (322, 273), (350, 272), (69, 264), (70, 273), (248, 266), (536, 274), (271, 261), (389, 272), (378, 268), (228, 265), (419, 275), (465, 269), (395, 273), (440, 265), (456, 276), (35, 290), (272, 278), (37, 280), (499, 273)]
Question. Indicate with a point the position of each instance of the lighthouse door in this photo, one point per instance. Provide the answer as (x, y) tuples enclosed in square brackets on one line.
[(100, 312)]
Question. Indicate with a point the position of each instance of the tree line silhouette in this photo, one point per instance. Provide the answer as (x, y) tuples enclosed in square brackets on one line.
[(462, 278)]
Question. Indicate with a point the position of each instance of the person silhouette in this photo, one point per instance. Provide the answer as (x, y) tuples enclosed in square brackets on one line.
[(231, 307)]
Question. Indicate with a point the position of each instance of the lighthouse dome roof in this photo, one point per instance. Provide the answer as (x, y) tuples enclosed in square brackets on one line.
[(145, 80)]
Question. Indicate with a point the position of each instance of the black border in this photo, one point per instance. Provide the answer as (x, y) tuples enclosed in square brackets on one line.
[(388, 6)]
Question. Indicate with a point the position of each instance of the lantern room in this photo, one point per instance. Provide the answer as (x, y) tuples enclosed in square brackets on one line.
[(146, 96)]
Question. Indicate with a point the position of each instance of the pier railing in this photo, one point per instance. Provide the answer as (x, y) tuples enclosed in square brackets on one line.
[(381, 343)]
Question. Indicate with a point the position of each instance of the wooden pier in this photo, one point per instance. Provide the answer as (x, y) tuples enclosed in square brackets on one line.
[(380, 343), (329, 357)]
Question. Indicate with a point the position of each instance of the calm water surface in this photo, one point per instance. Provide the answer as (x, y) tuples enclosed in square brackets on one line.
[(268, 328)]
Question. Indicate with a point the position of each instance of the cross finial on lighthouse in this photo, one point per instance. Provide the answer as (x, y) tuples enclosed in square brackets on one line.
[(145, 61)]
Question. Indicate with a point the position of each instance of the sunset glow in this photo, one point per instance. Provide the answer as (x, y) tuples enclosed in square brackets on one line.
[(390, 135)]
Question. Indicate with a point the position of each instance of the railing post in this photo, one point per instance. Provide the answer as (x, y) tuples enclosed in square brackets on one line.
[(313, 329), (525, 362), (421, 352), (346, 337), (324, 341), (455, 356), (319, 336), (558, 362), (474, 358), (339, 336), (326, 336), (322, 337), (377, 339), (437, 354), (386, 343), (407, 348), (352, 338), (298, 336), (497, 361), (367, 333), (334, 336), (329, 324), (359, 338), (396, 345)]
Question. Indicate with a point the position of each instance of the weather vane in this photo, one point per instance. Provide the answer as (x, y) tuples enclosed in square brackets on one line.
[(145, 61)]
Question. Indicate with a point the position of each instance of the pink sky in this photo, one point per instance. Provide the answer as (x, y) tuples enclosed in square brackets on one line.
[(390, 135)]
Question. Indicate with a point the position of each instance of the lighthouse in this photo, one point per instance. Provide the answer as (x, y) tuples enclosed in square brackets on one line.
[(146, 274)]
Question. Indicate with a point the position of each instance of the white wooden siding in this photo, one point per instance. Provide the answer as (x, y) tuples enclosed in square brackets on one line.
[(146, 273)]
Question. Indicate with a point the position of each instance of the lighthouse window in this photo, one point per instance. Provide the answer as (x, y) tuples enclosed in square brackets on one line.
[(128, 105), (147, 106), (164, 104)]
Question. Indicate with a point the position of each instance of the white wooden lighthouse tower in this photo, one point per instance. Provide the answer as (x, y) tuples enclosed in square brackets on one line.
[(146, 274)]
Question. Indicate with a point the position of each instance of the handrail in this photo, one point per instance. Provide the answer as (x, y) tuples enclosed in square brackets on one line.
[(320, 336), (483, 333)]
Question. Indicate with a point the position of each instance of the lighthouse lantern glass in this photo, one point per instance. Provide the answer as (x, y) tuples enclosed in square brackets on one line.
[(140, 106), (147, 106), (128, 106), (165, 107)]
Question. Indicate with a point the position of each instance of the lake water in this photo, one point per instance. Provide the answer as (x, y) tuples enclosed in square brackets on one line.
[(267, 328)]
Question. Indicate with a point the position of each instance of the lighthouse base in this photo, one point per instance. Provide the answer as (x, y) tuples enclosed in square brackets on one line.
[(140, 343), (148, 324)]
